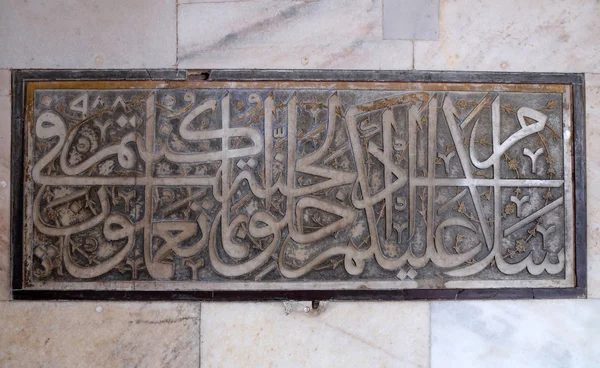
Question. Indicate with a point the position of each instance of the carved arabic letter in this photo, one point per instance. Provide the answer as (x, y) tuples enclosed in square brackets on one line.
[(176, 232), (533, 156), (116, 227)]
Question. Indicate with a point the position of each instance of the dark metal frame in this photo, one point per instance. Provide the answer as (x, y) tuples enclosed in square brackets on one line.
[(576, 81)]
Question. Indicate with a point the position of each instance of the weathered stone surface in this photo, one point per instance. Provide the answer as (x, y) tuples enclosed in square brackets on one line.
[(4, 194), (505, 334), (592, 126), (287, 34), (59, 334), (351, 334), (299, 185), (4, 82), (73, 34), (512, 35)]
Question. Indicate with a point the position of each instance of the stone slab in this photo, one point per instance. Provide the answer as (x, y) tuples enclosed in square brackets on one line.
[(512, 35), (5, 132), (4, 82), (298, 185), (68, 334), (333, 335), (71, 34), (593, 176), (410, 19), (287, 34), (504, 334)]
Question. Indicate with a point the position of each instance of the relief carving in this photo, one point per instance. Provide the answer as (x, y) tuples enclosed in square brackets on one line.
[(337, 186)]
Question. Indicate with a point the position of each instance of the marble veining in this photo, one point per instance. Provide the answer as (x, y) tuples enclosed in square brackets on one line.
[(335, 335), (76, 334), (593, 176), (544, 334), (544, 36), (287, 34)]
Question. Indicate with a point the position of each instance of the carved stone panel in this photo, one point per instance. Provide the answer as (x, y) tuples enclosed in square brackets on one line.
[(272, 185)]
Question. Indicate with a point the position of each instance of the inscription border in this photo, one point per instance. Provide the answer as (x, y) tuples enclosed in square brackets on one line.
[(577, 82)]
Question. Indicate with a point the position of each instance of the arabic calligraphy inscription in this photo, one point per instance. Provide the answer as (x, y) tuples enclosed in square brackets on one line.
[(226, 186)]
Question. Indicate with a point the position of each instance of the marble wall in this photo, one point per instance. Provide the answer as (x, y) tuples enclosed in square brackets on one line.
[(509, 35)]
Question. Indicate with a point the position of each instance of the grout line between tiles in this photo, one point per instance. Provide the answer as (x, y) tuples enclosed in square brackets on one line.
[(382, 20), (413, 54)]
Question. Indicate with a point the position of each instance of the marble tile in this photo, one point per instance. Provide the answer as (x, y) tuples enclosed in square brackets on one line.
[(5, 197), (377, 334), (593, 176), (513, 35), (219, 1), (367, 55), (536, 333), (58, 334), (340, 34), (4, 82), (88, 34), (410, 19)]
